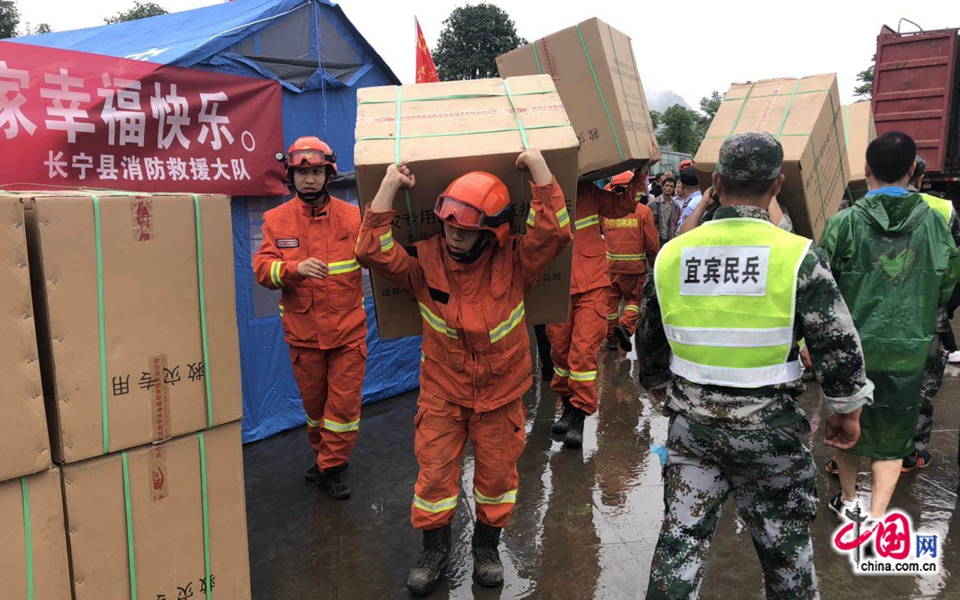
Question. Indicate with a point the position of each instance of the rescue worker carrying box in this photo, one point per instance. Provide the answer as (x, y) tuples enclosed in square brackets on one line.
[(308, 253), (469, 283)]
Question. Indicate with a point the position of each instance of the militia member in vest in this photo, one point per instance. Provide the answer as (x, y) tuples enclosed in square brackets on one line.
[(469, 282), (308, 254), (631, 241), (896, 264), (574, 344), (717, 340)]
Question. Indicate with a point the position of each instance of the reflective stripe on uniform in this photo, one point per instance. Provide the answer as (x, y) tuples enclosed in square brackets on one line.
[(509, 497), (435, 507), (386, 241), (501, 330), (632, 308), (583, 375), (587, 222), (343, 266), (563, 217), (341, 427), (436, 322), (612, 316), (313, 423), (281, 309), (561, 372), (531, 217), (750, 377), (275, 273), (611, 256), (729, 337)]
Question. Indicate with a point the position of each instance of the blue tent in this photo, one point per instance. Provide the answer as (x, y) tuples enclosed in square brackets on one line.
[(320, 59)]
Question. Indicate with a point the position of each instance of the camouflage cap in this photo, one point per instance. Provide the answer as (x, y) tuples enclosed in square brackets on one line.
[(750, 156)]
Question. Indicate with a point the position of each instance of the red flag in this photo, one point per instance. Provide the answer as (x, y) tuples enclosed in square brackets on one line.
[(426, 71)]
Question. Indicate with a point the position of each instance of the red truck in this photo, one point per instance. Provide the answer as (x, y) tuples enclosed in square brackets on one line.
[(916, 90)]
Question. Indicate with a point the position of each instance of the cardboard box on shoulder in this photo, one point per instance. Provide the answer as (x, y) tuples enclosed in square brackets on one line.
[(859, 131), (594, 69), (123, 327), (136, 520), (805, 115), (31, 519), (443, 130), (24, 442)]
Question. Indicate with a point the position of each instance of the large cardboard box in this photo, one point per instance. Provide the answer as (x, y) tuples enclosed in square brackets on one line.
[(31, 520), (119, 312), (594, 69), (143, 511), (805, 115), (859, 131), (24, 443), (443, 130)]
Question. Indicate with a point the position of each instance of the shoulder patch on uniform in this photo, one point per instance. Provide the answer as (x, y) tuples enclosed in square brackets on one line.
[(439, 296), (288, 242)]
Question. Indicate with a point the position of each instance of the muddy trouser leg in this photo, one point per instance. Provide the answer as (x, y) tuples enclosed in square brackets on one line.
[(632, 298), (310, 373), (341, 414), (774, 481), (560, 335), (439, 437), (694, 493), (498, 438), (932, 380), (589, 326), (614, 295)]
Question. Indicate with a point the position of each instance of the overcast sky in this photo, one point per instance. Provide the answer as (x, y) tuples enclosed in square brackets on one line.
[(689, 47)]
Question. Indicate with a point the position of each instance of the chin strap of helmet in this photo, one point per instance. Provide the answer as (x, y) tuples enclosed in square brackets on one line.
[(309, 198), (471, 255)]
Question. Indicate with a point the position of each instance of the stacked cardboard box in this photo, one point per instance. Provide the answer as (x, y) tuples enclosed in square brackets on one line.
[(24, 443), (138, 351), (805, 115), (443, 130), (595, 71), (33, 556), (859, 131)]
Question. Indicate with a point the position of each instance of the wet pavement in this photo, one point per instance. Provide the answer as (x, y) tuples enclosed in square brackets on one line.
[(586, 522)]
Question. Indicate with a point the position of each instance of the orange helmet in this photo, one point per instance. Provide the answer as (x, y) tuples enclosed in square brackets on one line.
[(621, 179), (478, 201), (309, 151), (685, 163)]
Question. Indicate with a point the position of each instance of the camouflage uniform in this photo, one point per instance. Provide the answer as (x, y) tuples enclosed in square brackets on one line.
[(937, 361), (751, 442)]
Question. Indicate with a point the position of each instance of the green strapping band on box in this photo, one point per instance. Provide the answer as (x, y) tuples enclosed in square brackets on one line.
[(603, 100), (783, 123), (128, 512), (537, 57), (397, 138), (772, 95), (523, 137), (27, 535), (623, 88), (396, 159), (740, 114), (206, 515), (846, 126), (457, 97), (104, 409), (203, 312)]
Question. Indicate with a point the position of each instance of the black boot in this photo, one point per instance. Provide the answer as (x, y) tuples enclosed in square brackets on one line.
[(330, 480), (433, 560), (623, 337), (313, 473), (487, 568), (612, 345), (574, 437), (562, 424)]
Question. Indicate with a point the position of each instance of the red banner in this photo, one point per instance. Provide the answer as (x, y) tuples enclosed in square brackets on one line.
[(72, 119), (426, 71)]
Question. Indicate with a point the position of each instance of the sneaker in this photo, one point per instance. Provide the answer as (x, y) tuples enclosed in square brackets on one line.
[(916, 461), (954, 357), (623, 337), (331, 481), (832, 467), (612, 345), (844, 510)]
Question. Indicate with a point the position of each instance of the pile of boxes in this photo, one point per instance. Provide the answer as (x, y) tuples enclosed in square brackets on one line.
[(131, 329)]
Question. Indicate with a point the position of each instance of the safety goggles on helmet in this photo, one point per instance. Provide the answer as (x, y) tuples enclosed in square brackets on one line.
[(310, 158), (468, 216)]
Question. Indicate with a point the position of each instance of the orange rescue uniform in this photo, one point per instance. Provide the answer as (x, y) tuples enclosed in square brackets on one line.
[(323, 319), (476, 354), (631, 242), (574, 344)]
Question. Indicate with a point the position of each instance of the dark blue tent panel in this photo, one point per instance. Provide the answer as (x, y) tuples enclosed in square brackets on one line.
[(320, 59)]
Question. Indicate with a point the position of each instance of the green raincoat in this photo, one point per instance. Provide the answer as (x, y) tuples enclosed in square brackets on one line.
[(895, 262)]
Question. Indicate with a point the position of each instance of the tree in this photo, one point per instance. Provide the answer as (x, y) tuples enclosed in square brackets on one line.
[(681, 129), (9, 19), (471, 40), (140, 10), (865, 89), (657, 117), (711, 104), (42, 28)]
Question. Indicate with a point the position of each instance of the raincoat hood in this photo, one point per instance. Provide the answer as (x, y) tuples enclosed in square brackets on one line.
[(893, 214)]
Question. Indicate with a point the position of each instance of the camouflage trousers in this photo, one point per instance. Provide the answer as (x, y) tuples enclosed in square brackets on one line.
[(772, 476), (932, 380)]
